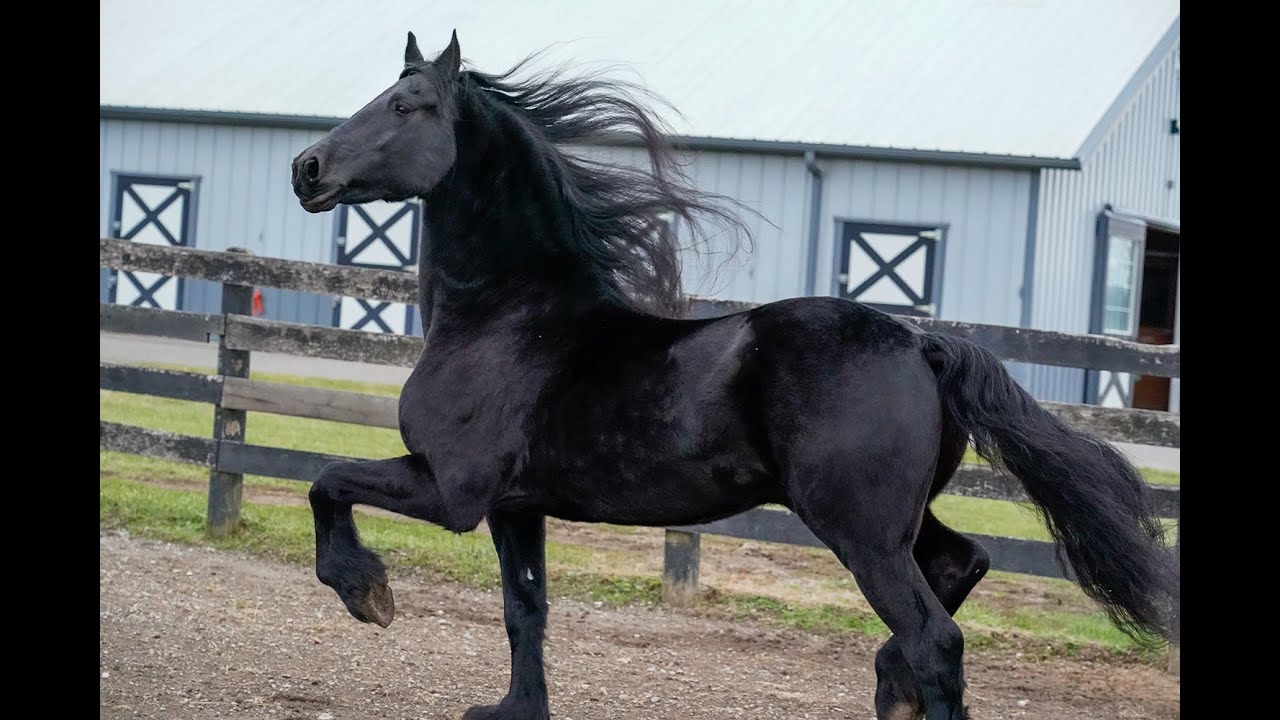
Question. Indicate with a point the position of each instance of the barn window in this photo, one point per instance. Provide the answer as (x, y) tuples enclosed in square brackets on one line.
[(382, 236), (894, 268), (155, 210)]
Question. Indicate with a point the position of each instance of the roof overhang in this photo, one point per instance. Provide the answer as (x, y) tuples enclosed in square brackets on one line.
[(764, 147)]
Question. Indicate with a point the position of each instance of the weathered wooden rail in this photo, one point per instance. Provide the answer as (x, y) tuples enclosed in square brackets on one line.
[(234, 394)]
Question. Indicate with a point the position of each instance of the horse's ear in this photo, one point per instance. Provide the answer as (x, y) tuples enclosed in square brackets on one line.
[(449, 61), (412, 55)]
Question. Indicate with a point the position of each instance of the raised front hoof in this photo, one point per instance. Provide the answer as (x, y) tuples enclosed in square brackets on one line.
[(505, 711), (376, 605)]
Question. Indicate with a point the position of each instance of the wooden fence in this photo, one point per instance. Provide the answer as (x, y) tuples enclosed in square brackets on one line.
[(233, 394)]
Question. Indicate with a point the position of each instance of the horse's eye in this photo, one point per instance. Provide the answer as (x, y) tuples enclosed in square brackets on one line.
[(402, 108)]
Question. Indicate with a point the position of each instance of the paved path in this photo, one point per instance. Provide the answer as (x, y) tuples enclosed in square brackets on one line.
[(137, 348)]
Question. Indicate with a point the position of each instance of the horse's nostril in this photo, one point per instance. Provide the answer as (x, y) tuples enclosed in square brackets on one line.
[(311, 169)]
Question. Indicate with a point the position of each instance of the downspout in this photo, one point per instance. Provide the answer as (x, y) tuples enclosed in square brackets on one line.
[(815, 218)]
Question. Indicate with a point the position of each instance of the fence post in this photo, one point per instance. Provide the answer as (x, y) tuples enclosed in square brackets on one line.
[(226, 489), (681, 557), (1175, 640)]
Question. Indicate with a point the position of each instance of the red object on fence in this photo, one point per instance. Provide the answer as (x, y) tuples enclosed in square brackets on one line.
[(258, 307)]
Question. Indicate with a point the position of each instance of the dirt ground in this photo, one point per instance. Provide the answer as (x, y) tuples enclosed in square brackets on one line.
[(189, 632)]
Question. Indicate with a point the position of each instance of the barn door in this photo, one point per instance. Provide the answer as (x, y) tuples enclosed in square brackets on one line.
[(383, 236), (157, 211), (893, 268), (1117, 292)]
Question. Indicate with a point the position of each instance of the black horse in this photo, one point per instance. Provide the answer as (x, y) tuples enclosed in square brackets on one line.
[(555, 381)]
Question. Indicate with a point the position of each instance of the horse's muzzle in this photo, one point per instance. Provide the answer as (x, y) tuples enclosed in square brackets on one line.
[(308, 171)]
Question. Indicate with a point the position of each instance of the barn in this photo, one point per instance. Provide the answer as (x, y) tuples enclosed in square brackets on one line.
[(1009, 162)]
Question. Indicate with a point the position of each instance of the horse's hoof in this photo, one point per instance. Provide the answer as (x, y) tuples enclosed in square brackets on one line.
[(378, 605)]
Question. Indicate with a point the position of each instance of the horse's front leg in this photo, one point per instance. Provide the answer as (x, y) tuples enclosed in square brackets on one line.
[(403, 485), (521, 542)]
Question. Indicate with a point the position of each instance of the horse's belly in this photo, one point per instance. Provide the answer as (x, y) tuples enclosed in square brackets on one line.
[(673, 492)]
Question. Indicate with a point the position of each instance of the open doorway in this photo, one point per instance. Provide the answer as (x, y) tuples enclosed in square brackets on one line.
[(1157, 316), (1135, 297)]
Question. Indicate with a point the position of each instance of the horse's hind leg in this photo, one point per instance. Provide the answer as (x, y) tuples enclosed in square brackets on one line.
[(403, 485), (953, 564), (521, 542), (865, 498), (876, 546)]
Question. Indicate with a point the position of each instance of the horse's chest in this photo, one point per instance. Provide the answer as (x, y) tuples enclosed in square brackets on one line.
[(460, 407)]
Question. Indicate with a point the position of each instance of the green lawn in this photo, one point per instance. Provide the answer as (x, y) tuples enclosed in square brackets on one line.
[(195, 418), (1155, 476)]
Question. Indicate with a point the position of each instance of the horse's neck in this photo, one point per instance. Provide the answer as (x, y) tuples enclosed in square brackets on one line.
[(494, 232)]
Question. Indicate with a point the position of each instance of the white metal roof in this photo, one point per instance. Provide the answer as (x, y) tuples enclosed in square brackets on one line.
[(1009, 77)]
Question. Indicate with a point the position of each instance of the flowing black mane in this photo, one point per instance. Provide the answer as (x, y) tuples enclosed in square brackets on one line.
[(616, 230)]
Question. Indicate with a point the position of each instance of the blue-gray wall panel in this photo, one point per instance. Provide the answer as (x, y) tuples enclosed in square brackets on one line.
[(771, 266), (1134, 166), (244, 198), (984, 211)]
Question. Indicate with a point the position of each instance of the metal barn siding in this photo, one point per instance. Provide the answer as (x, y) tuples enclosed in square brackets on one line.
[(243, 198), (1132, 164), (772, 266), (983, 211)]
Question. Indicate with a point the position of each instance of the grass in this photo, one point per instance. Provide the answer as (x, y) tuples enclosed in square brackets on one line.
[(823, 618), (195, 418), (285, 533), (1155, 476), (131, 500), (989, 517)]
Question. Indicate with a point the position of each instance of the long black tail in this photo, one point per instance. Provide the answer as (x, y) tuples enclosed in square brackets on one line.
[(1091, 497)]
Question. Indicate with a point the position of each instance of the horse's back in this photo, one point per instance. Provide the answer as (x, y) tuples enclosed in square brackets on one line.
[(816, 325)]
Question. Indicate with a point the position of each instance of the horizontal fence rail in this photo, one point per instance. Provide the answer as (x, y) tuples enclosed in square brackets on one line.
[(248, 333), (157, 444), (1030, 557), (1045, 347), (309, 402), (240, 269), (238, 334), (160, 323)]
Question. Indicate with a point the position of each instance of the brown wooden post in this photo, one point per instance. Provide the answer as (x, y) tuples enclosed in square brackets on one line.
[(680, 560), (1175, 640), (227, 489)]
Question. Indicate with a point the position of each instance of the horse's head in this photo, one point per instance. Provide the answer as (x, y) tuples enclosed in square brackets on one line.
[(397, 147)]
